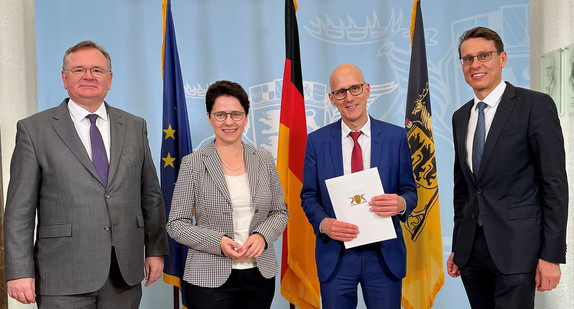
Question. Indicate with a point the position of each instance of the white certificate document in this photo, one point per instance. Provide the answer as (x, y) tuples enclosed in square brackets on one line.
[(350, 195)]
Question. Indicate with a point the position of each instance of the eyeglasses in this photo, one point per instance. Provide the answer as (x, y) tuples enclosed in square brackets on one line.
[(482, 57), (355, 90), (96, 71), (222, 116)]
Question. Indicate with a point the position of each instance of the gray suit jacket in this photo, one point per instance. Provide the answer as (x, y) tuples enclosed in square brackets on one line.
[(79, 220), (201, 187)]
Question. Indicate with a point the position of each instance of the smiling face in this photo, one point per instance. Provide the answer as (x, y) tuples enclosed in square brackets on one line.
[(85, 89), (483, 77), (353, 109), (228, 131)]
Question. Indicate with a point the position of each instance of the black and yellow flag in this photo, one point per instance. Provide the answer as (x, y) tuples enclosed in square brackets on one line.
[(422, 231)]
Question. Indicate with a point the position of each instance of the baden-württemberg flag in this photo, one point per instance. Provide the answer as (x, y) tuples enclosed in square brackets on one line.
[(176, 141), (299, 281), (422, 231)]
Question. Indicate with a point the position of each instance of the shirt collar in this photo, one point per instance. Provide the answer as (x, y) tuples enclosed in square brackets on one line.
[(366, 129), (494, 97), (79, 113)]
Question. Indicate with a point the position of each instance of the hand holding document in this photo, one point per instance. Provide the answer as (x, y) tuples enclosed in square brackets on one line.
[(350, 195)]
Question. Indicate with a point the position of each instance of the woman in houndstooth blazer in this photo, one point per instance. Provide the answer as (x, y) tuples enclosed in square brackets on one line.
[(233, 193)]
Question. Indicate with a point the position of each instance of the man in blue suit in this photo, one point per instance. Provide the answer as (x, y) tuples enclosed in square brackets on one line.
[(378, 267)]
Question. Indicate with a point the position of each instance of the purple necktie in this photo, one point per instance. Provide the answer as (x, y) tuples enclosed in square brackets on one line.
[(99, 157)]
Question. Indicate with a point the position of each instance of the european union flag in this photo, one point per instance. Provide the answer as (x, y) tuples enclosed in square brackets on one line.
[(176, 141)]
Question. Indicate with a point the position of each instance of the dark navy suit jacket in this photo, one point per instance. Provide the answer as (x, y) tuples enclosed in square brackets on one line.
[(324, 159), (521, 193)]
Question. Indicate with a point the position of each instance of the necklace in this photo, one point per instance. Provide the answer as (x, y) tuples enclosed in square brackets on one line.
[(233, 169)]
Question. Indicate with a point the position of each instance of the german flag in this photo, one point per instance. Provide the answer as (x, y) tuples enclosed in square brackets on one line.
[(299, 281), (422, 231)]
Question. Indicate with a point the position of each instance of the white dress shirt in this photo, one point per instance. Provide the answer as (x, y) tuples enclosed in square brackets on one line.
[(348, 144), (492, 100), (83, 125)]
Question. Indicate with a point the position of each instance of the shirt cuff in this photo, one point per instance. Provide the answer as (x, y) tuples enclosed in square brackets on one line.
[(404, 210)]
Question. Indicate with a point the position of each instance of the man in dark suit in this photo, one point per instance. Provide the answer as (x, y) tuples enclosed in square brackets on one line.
[(378, 267), (85, 170), (510, 187)]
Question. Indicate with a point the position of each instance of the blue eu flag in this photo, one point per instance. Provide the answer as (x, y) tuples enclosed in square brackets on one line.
[(176, 141)]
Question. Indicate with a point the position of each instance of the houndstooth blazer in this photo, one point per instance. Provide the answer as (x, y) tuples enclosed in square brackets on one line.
[(201, 192)]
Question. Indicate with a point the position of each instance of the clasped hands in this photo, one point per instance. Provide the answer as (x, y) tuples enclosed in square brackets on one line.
[(384, 205), (252, 248)]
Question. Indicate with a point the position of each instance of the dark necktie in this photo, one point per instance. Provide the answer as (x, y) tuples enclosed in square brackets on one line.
[(478, 141), (99, 157), (357, 154)]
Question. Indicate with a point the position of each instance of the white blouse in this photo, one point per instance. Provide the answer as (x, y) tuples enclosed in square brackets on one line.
[(238, 187)]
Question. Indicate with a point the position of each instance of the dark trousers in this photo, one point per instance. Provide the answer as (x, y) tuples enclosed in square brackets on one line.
[(244, 289), (115, 293), (363, 265), (488, 288)]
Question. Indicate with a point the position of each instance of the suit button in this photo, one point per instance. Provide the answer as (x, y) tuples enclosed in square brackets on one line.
[(473, 217), (478, 191), (107, 228), (107, 195)]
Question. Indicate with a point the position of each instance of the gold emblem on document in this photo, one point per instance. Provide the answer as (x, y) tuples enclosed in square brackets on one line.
[(358, 199)]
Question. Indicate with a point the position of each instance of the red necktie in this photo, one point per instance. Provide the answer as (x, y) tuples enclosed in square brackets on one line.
[(357, 154)]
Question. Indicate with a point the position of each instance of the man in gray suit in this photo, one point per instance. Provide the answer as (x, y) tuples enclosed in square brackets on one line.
[(85, 170)]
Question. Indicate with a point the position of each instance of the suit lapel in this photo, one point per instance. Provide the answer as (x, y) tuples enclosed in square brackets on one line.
[(212, 163), (336, 147), (502, 113), (376, 144), (117, 136), (64, 127), (462, 137), (252, 162)]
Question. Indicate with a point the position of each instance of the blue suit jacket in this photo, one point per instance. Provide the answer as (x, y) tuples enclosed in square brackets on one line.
[(323, 160)]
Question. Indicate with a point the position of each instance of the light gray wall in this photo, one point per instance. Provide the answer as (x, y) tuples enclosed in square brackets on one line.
[(18, 89), (552, 27)]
